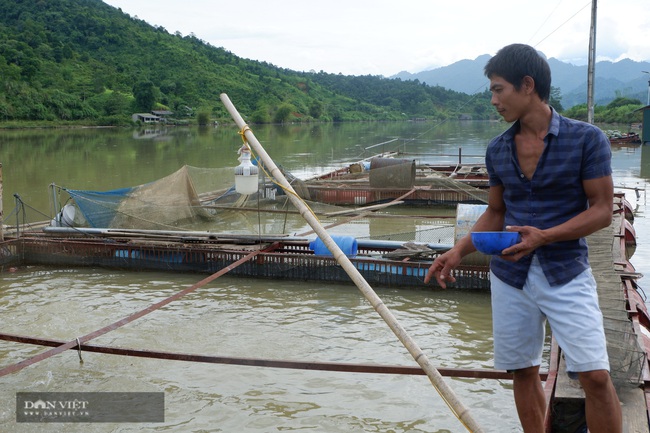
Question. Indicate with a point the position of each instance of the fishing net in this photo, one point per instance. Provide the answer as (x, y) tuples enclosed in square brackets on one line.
[(192, 198), (465, 191), (625, 355), (171, 202), (195, 198)]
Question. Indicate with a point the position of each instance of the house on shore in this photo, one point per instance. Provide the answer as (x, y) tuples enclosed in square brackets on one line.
[(156, 116), (145, 118)]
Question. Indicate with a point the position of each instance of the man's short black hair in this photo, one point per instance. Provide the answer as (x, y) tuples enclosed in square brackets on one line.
[(514, 62)]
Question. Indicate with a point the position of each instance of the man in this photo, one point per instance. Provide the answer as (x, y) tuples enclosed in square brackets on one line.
[(550, 181)]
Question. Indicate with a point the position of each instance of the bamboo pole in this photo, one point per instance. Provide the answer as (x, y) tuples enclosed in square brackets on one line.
[(2, 217), (460, 410), (364, 209), (363, 214), (367, 211)]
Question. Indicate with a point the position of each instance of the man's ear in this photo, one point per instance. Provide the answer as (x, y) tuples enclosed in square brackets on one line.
[(528, 84)]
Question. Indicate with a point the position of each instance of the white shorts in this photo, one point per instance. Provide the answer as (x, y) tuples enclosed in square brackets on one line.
[(519, 322)]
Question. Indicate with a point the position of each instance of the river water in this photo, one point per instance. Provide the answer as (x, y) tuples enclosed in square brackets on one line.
[(241, 317)]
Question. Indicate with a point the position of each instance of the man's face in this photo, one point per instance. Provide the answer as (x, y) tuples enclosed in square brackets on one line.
[(508, 101)]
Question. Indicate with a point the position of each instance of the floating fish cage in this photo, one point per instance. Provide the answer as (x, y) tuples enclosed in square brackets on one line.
[(362, 195), (286, 260)]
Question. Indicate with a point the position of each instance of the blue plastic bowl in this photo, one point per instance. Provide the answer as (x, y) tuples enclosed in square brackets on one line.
[(492, 243)]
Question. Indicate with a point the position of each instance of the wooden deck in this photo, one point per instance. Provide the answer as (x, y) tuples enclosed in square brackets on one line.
[(628, 360)]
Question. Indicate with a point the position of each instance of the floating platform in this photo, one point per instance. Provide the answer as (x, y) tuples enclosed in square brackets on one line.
[(277, 258), (381, 179)]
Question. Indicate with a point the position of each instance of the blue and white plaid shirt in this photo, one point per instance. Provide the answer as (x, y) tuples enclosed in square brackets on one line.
[(574, 151)]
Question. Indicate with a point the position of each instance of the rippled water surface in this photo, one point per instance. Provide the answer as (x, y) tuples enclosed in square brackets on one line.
[(239, 317), (253, 319)]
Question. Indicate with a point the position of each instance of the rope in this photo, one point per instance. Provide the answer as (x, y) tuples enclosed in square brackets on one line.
[(474, 373), (361, 215), (77, 342), (242, 133)]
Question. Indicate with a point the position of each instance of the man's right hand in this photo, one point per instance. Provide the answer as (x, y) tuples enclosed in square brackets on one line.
[(442, 267)]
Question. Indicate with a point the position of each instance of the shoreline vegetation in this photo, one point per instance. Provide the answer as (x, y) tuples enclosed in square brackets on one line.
[(74, 63), (127, 124)]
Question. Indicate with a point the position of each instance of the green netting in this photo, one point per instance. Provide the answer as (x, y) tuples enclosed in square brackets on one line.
[(172, 201), (204, 199)]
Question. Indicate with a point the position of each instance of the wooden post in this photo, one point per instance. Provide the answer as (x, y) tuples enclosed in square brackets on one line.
[(2, 216), (591, 64), (461, 412)]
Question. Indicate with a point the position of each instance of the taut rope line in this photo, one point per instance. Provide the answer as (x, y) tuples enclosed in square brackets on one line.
[(77, 342)]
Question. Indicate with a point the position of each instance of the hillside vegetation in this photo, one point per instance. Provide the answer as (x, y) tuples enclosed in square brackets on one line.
[(83, 61), (71, 60)]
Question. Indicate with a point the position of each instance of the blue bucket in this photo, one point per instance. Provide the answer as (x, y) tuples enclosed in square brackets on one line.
[(347, 244)]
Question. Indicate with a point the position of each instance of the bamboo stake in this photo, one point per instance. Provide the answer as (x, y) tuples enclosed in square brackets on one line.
[(366, 212), (461, 412), (2, 218), (364, 209)]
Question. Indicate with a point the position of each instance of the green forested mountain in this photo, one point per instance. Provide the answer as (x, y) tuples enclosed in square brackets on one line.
[(85, 61)]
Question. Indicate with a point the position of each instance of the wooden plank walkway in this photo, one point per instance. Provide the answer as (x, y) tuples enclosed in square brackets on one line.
[(607, 259)]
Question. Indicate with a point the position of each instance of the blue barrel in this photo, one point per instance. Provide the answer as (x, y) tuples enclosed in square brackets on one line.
[(347, 244)]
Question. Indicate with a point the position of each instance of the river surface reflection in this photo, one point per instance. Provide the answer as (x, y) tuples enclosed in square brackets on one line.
[(241, 317)]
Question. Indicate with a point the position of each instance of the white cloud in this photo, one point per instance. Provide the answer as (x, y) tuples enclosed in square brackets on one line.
[(383, 37)]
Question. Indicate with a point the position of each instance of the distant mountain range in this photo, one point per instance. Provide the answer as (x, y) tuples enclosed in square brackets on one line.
[(622, 78)]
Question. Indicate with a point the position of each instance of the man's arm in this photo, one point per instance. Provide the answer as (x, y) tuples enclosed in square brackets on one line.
[(600, 193), (491, 220)]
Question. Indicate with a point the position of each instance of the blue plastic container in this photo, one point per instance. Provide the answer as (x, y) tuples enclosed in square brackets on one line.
[(347, 244), (492, 243)]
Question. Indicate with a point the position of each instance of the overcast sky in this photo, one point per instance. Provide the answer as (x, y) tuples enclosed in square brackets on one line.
[(384, 37)]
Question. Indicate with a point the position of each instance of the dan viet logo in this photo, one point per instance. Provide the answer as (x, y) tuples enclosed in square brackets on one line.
[(63, 407), (56, 408)]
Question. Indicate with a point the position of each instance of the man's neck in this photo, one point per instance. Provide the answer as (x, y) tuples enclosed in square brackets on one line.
[(536, 121)]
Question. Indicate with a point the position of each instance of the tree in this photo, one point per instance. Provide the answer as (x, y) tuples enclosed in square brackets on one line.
[(87, 49), (260, 115), (116, 104), (555, 100), (145, 94), (203, 117), (283, 112), (316, 109), (622, 101)]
